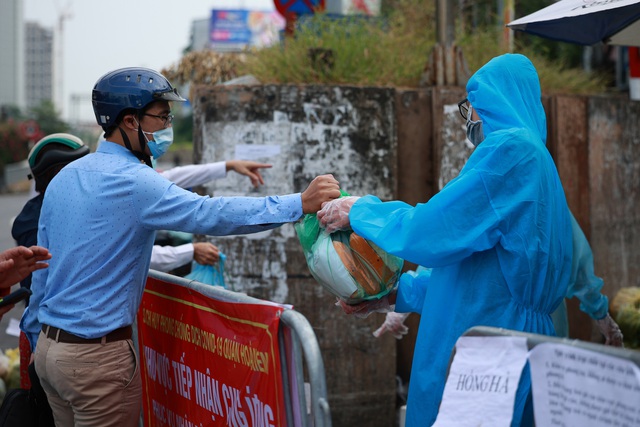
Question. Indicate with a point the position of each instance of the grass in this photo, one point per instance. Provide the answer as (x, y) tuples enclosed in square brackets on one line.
[(381, 52), (556, 77), (393, 52)]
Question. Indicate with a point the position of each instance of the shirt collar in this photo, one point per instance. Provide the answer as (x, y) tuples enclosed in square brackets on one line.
[(109, 147)]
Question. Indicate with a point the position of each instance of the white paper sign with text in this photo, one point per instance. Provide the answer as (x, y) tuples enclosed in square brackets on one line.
[(578, 387), (482, 382), (256, 151)]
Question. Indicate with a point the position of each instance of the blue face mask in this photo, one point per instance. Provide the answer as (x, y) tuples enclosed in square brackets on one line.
[(474, 130), (162, 140)]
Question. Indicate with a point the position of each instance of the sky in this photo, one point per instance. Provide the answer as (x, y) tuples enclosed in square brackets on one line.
[(102, 35)]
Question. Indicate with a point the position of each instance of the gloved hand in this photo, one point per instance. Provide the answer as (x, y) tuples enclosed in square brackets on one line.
[(611, 331), (334, 214), (365, 308), (394, 324)]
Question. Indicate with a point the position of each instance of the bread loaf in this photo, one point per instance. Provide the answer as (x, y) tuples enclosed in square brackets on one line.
[(357, 271), (368, 256)]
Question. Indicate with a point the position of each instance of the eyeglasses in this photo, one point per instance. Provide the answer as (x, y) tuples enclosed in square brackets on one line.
[(463, 108), (167, 120)]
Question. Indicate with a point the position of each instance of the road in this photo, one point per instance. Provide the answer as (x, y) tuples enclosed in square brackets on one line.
[(10, 206)]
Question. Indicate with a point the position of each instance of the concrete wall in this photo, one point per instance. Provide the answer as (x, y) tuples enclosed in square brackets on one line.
[(305, 132), (614, 190), (402, 144), (596, 144)]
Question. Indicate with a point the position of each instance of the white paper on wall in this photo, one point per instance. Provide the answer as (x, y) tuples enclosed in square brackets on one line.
[(256, 152)]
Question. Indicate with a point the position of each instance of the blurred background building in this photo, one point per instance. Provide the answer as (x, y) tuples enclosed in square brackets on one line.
[(12, 44), (38, 56)]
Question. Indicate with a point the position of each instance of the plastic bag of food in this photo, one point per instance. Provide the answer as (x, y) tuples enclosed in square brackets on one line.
[(347, 265)]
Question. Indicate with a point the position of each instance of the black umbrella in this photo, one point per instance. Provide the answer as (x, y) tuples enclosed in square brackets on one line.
[(585, 22)]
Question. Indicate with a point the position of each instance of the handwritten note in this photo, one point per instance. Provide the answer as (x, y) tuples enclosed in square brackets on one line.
[(578, 387)]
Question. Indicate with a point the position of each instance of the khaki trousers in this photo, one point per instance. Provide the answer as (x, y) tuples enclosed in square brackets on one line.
[(90, 385)]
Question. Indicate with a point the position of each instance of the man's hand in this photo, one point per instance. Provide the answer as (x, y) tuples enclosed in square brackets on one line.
[(204, 253), (248, 168), (17, 263), (322, 189)]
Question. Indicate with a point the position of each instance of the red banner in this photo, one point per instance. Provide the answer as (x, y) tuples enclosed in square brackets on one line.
[(208, 363)]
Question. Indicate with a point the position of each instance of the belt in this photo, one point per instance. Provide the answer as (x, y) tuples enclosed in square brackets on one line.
[(60, 335)]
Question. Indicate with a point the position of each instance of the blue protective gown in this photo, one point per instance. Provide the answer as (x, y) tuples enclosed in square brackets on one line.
[(497, 237), (583, 284)]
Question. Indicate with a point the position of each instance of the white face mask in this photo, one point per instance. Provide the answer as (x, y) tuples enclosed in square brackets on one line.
[(474, 129)]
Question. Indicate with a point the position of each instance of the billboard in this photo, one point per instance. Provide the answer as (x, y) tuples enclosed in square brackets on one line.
[(236, 29)]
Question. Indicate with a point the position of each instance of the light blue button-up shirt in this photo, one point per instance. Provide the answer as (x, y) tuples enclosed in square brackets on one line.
[(99, 219)]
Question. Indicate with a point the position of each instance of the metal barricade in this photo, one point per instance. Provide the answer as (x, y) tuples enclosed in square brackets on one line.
[(299, 349), (535, 339)]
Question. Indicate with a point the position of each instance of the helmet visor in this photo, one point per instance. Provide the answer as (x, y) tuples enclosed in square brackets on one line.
[(171, 95)]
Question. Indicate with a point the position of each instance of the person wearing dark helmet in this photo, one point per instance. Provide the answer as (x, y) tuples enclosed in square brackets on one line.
[(99, 217), (46, 158)]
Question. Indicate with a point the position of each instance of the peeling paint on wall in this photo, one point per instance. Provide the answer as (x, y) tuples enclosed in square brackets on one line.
[(304, 132), (317, 131), (456, 148)]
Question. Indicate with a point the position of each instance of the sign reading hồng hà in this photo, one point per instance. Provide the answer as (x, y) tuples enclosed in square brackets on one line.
[(482, 382)]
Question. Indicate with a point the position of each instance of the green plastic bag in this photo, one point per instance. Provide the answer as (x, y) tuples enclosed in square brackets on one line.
[(348, 266)]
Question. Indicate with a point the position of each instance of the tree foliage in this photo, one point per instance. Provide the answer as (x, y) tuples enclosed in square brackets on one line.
[(19, 131), (48, 118)]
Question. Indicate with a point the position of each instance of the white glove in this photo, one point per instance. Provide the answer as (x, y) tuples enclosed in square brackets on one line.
[(334, 214), (611, 331), (394, 324), (365, 308)]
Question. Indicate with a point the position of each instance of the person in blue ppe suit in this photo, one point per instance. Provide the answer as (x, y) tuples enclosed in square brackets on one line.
[(497, 238), (583, 285)]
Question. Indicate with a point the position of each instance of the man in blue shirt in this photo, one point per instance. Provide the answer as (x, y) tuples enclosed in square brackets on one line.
[(99, 218)]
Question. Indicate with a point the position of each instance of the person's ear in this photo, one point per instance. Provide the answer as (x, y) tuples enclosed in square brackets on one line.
[(130, 121)]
